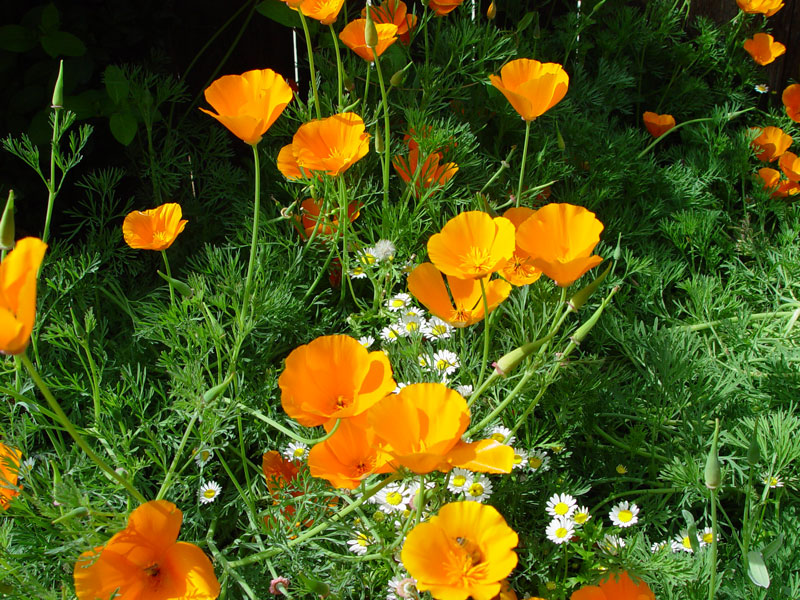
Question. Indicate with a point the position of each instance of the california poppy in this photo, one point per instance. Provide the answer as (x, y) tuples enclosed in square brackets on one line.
[(154, 229), (764, 7), (248, 104), (465, 308), (311, 214), (395, 12), (444, 7), (763, 48), (331, 145), (333, 377), (464, 551), (531, 87), (519, 270), (791, 101), (9, 473), (431, 172), (18, 273), (778, 187), (472, 245), (771, 144), (324, 11), (287, 163), (790, 165), (353, 37), (145, 560), (617, 586), (657, 124), (560, 239)]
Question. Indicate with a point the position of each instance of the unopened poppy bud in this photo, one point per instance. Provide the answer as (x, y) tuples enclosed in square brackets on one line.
[(510, 361), (7, 224), (179, 286), (379, 145), (216, 391), (584, 329), (58, 90), (396, 80), (579, 299), (370, 31), (491, 12), (712, 473), (80, 511)]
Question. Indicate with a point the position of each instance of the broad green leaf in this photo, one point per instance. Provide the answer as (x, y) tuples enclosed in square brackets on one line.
[(280, 13), (16, 38), (61, 43), (50, 19), (117, 85), (123, 127), (757, 570)]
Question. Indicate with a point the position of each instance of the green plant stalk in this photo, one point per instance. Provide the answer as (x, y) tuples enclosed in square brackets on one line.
[(169, 274), (366, 89), (344, 221), (285, 430), (420, 500), (256, 211), (503, 166), (251, 512), (64, 421), (754, 317), (486, 332), (149, 130), (524, 156), (51, 182), (171, 471), (620, 444), (713, 562), (338, 65), (312, 73), (386, 149), (95, 380), (226, 566), (501, 407)]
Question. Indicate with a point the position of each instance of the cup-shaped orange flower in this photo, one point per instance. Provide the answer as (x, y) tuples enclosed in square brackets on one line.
[(431, 172), (465, 308), (657, 124), (333, 377), (18, 273), (463, 552), (763, 48), (791, 101), (444, 7), (9, 474), (331, 145), (790, 165), (520, 270), (531, 87), (777, 186), (248, 104), (154, 229), (771, 144), (472, 245), (617, 586), (324, 11), (353, 37), (146, 560), (763, 7), (395, 12), (560, 239)]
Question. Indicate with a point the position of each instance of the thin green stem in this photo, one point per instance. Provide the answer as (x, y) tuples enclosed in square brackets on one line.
[(339, 68), (754, 317), (171, 471), (524, 157), (486, 332), (285, 430), (256, 211), (312, 72), (169, 281), (712, 586), (226, 566), (366, 89), (386, 127), (51, 183), (344, 222)]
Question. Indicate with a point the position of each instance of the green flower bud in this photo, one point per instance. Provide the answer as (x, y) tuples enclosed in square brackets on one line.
[(179, 286), (58, 91), (216, 391), (7, 224), (579, 299), (712, 473), (370, 31), (379, 145)]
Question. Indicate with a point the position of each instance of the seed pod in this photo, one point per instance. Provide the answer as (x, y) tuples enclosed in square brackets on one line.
[(7, 224)]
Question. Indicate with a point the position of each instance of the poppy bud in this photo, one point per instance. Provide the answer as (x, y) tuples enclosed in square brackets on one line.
[(177, 284), (370, 31), (579, 299), (584, 329), (397, 79), (7, 224), (216, 391), (491, 12), (379, 145), (508, 362), (58, 91), (712, 473)]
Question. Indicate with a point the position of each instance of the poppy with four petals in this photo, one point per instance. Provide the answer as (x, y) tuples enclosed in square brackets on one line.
[(531, 87), (154, 229)]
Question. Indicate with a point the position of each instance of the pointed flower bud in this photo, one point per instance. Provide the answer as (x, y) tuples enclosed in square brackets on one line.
[(379, 145), (491, 12), (370, 31), (7, 224), (712, 473), (182, 288), (58, 91), (579, 299)]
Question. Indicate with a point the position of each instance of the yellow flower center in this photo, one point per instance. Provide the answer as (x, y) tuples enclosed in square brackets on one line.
[(535, 462), (476, 261), (439, 330), (412, 326), (517, 459), (561, 532), (205, 455), (580, 518), (625, 516), (343, 402), (160, 238), (621, 469), (708, 537), (686, 543), (459, 480), (498, 437), (441, 365), (209, 493), (394, 498), (561, 508), (298, 452), (475, 490)]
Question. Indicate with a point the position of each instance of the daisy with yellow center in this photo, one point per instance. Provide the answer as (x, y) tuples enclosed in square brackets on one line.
[(479, 490), (707, 536), (561, 505), (682, 542), (560, 530), (296, 451), (520, 457), (359, 544), (393, 498), (538, 461), (581, 515), (203, 456), (460, 480), (624, 514), (209, 492)]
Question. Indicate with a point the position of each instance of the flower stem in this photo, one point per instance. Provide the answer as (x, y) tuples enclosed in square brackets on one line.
[(386, 152), (485, 334), (285, 430), (712, 586), (171, 471), (51, 183), (366, 89), (312, 72), (256, 211), (63, 420), (169, 281), (524, 156), (339, 68)]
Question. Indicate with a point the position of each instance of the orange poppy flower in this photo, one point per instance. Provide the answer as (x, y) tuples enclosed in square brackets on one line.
[(431, 173), (519, 270), (764, 7), (444, 7), (617, 586), (287, 163), (463, 552), (145, 560), (153, 229), (248, 104), (531, 87), (763, 48), (771, 144), (349, 455), (18, 273), (790, 165), (472, 245), (560, 239), (324, 11), (9, 473), (657, 124), (353, 37), (395, 12), (791, 101), (332, 145), (779, 188), (280, 475), (426, 283), (333, 377), (310, 210)]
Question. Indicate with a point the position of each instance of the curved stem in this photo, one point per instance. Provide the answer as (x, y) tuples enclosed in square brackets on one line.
[(169, 281), (312, 72), (339, 68), (256, 211), (171, 471), (524, 156), (285, 430), (386, 152)]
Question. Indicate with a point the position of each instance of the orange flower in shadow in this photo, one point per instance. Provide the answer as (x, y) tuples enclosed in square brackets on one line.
[(287, 164), (353, 37), (444, 7), (771, 144), (463, 552), (763, 48), (520, 270), (791, 101), (764, 7), (18, 273), (431, 173), (154, 229), (560, 239), (617, 586), (248, 104), (465, 308), (333, 377), (280, 475), (145, 560), (778, 187), (790, 165), (331, 145), (396, 13), (9, 473), (531, 87), (657, 124), (310, 215), (472, 245)]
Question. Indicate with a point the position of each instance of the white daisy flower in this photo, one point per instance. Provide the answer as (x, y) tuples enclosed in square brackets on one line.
[(560, 505), (359, 544), (366, 341), (358, 272), (560, 530), (391, 334), (402, 587), (682, 542), (296, 451), (707, 536), (383, 250), (445, 362), (460, 480), (25, 468), (398, 302), (400, 386), (502, 435), (773, 481), (581, 515), (367, 256), (658, 546), (209, 491), (410, 324), (202, 456), (393, 498), (423, 361), (538, 461), (624, 514), (480, 488), (761, 88), (437, 329), (413, 310), (611, 543), (464, 390), (520, 457)]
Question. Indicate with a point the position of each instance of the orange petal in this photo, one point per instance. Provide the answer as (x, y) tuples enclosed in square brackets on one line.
[(485, 456)]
